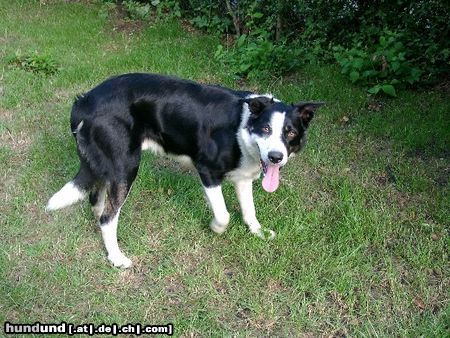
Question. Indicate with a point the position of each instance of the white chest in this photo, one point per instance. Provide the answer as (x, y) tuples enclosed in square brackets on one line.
[(248, 170)]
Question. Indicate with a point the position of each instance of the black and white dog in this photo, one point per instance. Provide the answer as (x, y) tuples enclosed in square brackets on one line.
[(223, 133)]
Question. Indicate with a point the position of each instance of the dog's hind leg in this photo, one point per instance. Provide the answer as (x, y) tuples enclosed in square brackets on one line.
[(97, 198), (244, 193), (116, 196)]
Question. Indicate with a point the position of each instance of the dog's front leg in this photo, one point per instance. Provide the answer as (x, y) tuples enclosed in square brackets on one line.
[(217, 203), (244, 193)]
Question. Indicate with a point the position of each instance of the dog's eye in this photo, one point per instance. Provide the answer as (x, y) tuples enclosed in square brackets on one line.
[(291, 134), (266, 129)]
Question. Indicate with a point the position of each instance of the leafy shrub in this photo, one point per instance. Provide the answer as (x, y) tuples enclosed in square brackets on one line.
[(35, 63), (167, 9), (310, 28), (382, 67), (107, 6), (137, 10), (209, 16), (258, 57)]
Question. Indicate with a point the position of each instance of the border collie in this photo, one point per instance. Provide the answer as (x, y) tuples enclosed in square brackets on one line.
[(222, 132)]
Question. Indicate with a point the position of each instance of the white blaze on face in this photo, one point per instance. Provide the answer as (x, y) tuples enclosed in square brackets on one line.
[(273, 143)]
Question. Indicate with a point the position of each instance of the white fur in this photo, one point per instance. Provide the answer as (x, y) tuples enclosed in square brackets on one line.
[(274, 141), (153, 146), (109, 234), (69, 194), (157, 149), (184, 160), (215, 200), (268, 95), (244, 193)]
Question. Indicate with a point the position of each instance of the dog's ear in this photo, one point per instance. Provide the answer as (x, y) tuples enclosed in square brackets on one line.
[(306, 110), (257, 104)]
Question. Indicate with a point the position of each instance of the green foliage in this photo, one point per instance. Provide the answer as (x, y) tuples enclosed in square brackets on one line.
[(258, 57), (142, 10), (257, 52), (106, 7), (382, 67), (168, 9), (400, 42), (137, 10), (209, 17), (35, 63)]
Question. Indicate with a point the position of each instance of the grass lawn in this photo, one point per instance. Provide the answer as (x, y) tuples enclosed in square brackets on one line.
[(362, 215)]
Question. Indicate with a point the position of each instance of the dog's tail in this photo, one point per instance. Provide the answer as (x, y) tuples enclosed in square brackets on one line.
[(75, 190), (68, 195)]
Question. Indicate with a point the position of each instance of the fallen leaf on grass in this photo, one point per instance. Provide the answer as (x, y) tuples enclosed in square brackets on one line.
[(419, 303)]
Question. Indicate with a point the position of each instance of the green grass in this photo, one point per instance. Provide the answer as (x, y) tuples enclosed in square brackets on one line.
[(361, 215)]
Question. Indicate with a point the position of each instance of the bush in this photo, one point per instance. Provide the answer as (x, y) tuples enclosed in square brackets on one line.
[(400, 42), (383, 66), (137, 10), (209, 16), (258, 57)]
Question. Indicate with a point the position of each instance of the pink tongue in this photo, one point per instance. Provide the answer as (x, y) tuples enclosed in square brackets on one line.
[(271, 180)]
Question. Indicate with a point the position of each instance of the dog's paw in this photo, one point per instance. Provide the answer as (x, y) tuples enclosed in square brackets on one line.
[(120, 260), (218, 228), (265, 233), (220, 225)]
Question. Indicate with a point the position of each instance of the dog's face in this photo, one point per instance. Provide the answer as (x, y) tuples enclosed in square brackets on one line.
[(279, 130)]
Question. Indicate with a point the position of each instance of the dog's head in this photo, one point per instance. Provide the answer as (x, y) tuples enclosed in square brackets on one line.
[(279, 130)]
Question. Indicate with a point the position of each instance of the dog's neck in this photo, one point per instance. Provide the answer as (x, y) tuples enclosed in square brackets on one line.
[(247, 145)]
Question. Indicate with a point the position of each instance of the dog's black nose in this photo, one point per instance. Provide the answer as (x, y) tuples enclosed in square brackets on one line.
[(275, 156)]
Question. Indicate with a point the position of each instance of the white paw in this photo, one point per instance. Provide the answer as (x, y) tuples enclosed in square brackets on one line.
[(120, 260), (264, 233), (217, 227)]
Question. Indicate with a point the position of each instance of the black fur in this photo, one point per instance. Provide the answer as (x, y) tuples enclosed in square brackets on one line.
[(182, 116)]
